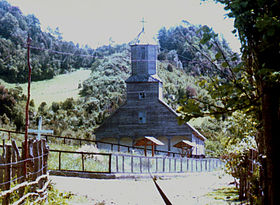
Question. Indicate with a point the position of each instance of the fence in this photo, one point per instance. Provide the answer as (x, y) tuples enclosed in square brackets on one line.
[(109, 146), (112, 162), (90, 162), (17, 186), (122, 163)]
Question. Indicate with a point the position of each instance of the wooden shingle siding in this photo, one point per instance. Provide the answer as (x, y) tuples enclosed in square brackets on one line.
[(160, 121)]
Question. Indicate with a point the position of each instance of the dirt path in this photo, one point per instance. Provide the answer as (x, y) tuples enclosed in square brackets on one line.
[(189, 190)]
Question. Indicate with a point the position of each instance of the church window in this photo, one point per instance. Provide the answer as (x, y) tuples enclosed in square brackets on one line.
[(142, 117), (142, 95)]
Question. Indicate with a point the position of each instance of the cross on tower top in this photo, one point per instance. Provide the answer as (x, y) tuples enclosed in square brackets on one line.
[(143, 24)]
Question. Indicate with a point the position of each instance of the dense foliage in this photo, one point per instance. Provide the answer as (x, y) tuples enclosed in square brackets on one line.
[(12, 103), (183, 43), (252, 86), (47, 61)]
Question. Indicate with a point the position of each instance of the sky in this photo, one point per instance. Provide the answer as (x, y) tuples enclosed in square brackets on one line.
[(94, 22)]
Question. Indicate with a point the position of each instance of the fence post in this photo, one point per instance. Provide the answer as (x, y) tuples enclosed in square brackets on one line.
[(131, 163), (36, 160), (2, 161), (83, 163), (110, 161), (163, 164), (140, 164), (156, 164), (15, 158), (148, 164), (7, 178), (45, 157), (59, 160), (123, 163), (169, 164), (117, 163), (41, 153), (181, 165)]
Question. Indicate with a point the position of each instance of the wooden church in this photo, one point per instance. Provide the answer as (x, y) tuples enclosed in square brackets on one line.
[(145, 113)]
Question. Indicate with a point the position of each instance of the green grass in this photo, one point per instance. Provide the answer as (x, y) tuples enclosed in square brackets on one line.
[(69, 161), (57, 89), (227, 194), (74, 162)]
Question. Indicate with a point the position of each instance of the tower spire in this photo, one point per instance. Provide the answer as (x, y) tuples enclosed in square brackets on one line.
[(142, 32), (143, 24)]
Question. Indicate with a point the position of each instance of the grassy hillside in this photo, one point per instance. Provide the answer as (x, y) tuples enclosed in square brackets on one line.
[(57, 89)]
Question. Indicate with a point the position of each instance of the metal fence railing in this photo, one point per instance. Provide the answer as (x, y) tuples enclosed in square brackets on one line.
[(91, 162), (122, 163)]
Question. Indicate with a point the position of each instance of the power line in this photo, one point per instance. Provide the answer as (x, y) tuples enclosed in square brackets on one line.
[(95, 54), (61, 52)]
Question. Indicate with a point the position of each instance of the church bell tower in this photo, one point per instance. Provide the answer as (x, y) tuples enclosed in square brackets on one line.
[(145, 113), (144, 83)]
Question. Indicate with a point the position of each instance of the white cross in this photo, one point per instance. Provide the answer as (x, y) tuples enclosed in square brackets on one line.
[(143, 23), (40, 131)]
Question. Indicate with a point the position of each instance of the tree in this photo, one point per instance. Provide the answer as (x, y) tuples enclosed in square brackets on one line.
[(12, 102), (7, 102), (251, 86), (8, 25), (46, 59)]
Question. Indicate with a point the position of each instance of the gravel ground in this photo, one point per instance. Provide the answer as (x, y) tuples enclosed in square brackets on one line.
[(190, 190)]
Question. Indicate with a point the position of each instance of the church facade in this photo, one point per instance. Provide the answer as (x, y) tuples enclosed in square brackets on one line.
[(145, 113)]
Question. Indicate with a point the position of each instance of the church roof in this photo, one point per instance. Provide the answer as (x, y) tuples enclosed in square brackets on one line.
[(195, 131), (143, 78)]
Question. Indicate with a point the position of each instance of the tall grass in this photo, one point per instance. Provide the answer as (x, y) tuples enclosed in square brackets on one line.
[(73, 161)]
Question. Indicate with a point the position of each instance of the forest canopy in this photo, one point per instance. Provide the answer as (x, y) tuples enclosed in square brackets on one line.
[(46, 48)]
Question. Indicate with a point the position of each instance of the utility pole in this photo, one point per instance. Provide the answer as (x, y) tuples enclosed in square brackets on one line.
[(27, 107)]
